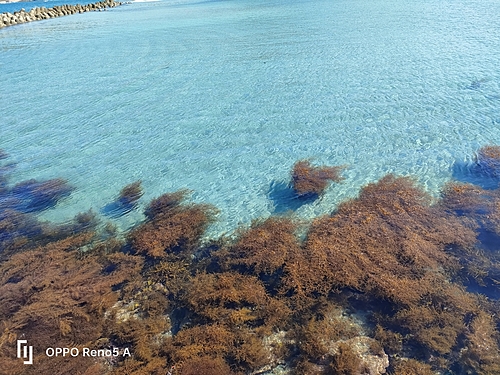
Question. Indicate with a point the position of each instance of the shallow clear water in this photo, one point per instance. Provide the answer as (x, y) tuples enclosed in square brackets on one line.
[(222, 97)]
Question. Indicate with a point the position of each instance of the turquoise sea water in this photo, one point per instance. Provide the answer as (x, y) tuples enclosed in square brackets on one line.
[(222, 97)]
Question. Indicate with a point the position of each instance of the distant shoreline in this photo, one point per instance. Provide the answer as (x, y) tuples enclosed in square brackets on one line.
[(13, 1), (42, 13)]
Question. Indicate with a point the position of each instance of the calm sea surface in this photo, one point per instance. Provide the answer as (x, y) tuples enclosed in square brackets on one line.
[(222, 97)]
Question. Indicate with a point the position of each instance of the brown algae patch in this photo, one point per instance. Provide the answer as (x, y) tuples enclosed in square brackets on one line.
[(310, 180), (263, 300)]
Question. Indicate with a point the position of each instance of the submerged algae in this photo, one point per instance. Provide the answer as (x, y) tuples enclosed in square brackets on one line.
[(309, 180), (402, 258)]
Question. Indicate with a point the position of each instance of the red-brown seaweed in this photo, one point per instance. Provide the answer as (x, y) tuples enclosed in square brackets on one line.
[(126, 201), (488, 158), (171, 227), (246, 303), (311, 180), (131, 193)]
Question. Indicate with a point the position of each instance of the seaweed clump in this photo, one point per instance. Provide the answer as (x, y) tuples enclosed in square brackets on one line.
[(57, 296), (265, 247), (34, 196), (480, 264), (126, 201), (20, 229), (205, 366), (171, 226), (386, 242), (130, 194), (412, 367), (308, 180), (392, 245), (488, 158), (246, 303), (229, 315), (344, 362), (482, 354), (31, 195)]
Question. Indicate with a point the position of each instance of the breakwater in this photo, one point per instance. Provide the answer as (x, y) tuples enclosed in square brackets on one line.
[(38, 14)]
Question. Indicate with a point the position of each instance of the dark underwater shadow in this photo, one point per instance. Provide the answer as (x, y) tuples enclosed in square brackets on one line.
[(477, 84), (126, 201), (477, 174), (29, 196), (35, 196), (5, 170), (490, 241), (488, 287), (285, 199), (20, 225), (117, 209)]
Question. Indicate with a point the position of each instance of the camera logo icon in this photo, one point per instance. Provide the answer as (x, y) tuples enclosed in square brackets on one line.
[(24, 351)]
